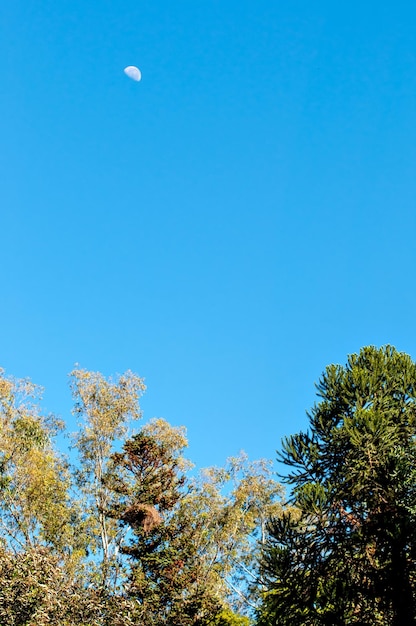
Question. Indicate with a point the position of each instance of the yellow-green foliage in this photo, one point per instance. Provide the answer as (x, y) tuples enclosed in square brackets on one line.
[(129, 535), (228, 618), (34, 481)]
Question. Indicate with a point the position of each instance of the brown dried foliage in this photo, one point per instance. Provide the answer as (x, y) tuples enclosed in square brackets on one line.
[(142, 516)]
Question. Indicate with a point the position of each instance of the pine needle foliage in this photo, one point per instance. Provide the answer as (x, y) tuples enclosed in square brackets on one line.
[(349, 555)]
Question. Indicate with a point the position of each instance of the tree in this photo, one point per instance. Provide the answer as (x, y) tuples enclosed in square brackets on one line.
[(104, 408), (193, 541), (348, 555), (35, 590), (148, 481), (133, 534), (225, 514), (35, 505)]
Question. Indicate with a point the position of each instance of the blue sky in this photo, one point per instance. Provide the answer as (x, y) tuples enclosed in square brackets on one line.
[(227, 227)]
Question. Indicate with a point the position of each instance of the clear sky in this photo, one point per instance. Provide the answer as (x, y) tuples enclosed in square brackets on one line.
[(227, 227)]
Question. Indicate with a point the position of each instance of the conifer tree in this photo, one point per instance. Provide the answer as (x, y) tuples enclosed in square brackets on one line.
[(148, 481), (348, 555)]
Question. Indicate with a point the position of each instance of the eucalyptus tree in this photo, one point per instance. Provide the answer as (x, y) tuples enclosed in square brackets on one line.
[(42, 545), (35, 503), (105, 408)]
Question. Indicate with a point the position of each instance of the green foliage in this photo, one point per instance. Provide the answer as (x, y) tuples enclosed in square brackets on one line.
[(129, 535), (35, 590), (226, 511), (104, 409), (35, 507), (148, 483), (348, 556), (228, 618), (193, 542)]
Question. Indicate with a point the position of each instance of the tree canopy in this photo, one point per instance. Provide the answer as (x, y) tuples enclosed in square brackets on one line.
[(346, 554), (130, 532)]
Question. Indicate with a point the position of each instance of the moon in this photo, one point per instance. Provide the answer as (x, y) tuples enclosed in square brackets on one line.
[(133, 72)]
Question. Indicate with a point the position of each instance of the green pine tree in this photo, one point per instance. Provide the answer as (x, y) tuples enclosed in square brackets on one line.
[(347, 556)]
